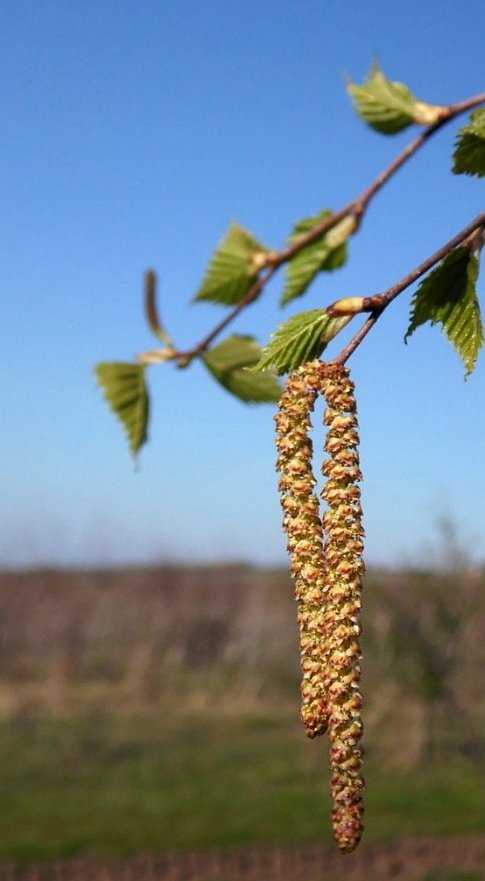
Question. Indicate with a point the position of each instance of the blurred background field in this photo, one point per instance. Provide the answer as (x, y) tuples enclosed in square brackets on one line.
[(144, 710)]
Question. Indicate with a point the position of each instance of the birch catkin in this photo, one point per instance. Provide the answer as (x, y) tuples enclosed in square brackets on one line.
[(327, 567), (302, 524), (344, 569)]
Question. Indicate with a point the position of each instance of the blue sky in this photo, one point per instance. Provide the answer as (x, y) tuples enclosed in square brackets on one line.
[(132, 134)]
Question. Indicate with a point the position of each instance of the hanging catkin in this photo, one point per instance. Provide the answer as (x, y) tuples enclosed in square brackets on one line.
[(327, 566), (303, 526), (343, 548)]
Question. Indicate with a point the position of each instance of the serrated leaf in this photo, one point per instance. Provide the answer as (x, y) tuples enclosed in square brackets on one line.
[(389, 107), (469, 155), (124, 387), (448, 296), (326, 253), (303, 337), (233, 269), (228, 362)]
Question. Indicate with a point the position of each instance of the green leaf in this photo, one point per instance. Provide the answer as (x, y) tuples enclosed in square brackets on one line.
[(327, 252), (390, 107), (125, 390), (469, 155), (300, 339), (228, 362), (448, 296), (233, 269)]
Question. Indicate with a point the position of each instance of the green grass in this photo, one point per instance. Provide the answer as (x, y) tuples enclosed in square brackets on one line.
[(107, 786)]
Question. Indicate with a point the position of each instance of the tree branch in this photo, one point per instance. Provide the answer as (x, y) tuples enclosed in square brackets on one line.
[(400, 286), (355, 208)]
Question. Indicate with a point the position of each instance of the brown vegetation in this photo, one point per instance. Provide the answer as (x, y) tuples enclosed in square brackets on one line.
[(452, 859), (226, 637), (137, 638)]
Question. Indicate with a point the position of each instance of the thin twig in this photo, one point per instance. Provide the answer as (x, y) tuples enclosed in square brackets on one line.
[(204, 344), (453, 111), (400, 286)]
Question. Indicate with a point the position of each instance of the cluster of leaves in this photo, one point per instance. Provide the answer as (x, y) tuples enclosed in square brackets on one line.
[(241, 265)]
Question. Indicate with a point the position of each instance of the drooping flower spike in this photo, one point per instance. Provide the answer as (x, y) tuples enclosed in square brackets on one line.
[(303, 527), (327, 566), (343, 548)]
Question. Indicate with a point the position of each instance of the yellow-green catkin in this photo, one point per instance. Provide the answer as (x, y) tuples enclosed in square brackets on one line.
[(343, 546), (303, 527), (326, 563)]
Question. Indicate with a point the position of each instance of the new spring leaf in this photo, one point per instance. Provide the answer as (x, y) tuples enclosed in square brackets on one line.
[(233, 269), (327, 252), (228, 363), (389, 107), (300, 339), (448, 296), (124, 387), (469, 155)]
